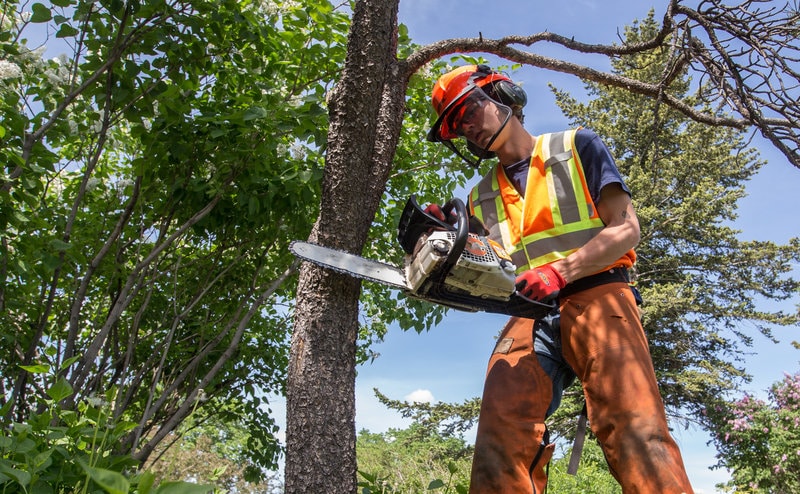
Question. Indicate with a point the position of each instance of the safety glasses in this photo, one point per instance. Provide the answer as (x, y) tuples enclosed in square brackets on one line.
[(468, 108), (466, 111)]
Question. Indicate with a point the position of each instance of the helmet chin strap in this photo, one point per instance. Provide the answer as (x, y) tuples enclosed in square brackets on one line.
[(486, 151)]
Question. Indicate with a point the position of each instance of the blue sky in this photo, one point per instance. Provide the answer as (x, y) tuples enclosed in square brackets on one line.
[(449, 362)]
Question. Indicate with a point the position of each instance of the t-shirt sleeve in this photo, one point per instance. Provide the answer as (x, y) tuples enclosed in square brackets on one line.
[(599, 166)]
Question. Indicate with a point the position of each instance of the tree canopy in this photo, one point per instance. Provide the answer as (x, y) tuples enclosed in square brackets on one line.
[(158, 157)]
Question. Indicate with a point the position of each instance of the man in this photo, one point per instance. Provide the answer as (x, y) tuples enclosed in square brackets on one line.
[(559, 206)]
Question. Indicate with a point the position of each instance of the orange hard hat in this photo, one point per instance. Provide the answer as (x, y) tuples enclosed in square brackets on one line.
[(452, 89)]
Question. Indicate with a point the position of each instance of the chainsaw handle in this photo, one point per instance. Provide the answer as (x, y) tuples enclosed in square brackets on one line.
[(462, 230)]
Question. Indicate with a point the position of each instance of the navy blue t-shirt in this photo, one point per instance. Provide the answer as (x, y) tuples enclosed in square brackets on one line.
[(599, 167)]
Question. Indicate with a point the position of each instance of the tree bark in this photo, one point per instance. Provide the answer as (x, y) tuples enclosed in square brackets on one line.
[(365, 111)]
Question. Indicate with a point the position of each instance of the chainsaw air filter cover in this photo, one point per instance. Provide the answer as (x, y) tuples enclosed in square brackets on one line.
[(483, 269)]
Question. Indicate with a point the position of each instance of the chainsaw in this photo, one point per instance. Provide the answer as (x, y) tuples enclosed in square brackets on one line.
[(444, 264)]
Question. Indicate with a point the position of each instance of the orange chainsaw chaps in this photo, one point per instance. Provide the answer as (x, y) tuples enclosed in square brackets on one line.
[(604, 342), (510, 449)]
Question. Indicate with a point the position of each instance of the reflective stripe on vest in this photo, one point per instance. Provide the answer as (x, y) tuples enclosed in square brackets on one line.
[(558, 215)]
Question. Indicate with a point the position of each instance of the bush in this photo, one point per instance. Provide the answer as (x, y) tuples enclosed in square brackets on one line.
[(61, 450), (757, 440)]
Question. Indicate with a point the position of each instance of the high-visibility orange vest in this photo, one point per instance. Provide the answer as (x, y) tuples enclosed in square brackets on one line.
[(557, 215)]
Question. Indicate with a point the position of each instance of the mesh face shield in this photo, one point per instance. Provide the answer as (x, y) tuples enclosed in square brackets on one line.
[(465, 113)]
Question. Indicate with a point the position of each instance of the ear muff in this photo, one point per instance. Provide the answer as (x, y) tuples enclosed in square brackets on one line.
[(510, 95), (504, 91)]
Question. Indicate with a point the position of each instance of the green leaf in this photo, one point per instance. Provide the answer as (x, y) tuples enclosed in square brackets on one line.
[(40, 13), (60, 245), (69, 362), (22, 477), (125, 426), (252, 205), (60, 390), (66, 31), (146, 481), (112, 482), (183, 488), (4, 410), (36, 369), (436, 484), (254, 112)]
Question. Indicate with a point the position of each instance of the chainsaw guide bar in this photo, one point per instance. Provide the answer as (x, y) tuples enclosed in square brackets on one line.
[(350, 264), (445, 264)]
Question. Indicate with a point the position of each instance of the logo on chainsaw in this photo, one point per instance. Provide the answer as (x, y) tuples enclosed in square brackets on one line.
[(475, 246), (499, 250)]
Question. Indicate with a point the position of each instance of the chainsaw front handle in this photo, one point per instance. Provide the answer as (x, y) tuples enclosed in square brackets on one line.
[(462, 230)]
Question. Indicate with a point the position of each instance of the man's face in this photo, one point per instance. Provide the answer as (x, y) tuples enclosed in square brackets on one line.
[(477, 119)]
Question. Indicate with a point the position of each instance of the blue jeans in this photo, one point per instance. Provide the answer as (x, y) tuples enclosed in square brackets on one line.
[(547, 346)]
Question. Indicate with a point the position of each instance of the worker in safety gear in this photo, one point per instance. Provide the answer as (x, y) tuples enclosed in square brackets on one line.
[(558, 205)]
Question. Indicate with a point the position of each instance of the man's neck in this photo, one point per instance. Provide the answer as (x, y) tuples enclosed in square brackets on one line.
[(518, 146)]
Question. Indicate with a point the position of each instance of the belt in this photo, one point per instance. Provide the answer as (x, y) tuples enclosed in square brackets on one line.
[(613, 275)]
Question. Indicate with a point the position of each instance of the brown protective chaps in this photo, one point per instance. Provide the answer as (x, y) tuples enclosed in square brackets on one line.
[(604, 342)]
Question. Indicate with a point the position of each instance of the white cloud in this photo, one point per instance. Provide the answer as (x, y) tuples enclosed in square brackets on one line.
[(420, 396)]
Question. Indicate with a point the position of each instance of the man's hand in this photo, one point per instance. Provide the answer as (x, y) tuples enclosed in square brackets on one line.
[(436, 211), (541, 284)]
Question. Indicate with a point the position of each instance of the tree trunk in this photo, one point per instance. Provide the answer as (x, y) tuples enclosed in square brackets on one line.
[(365, 118)]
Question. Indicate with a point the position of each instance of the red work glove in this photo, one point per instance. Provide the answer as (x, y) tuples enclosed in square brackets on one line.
[(542, 283), (436, 211)]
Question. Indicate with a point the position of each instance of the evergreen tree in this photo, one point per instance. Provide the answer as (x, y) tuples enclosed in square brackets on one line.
[(701, 284)]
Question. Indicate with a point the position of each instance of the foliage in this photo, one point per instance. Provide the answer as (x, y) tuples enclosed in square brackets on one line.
[(432, 449), (757, 439), (412, 460), (206, 457), (58, 450), (153, 174), (592, 477), (701, 284), (449, 419)]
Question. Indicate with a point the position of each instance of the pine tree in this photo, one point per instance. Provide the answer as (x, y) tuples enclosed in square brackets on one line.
[(700, 282)]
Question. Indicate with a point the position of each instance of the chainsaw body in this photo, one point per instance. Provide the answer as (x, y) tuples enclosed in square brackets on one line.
[(480, 270), (447, 264)]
